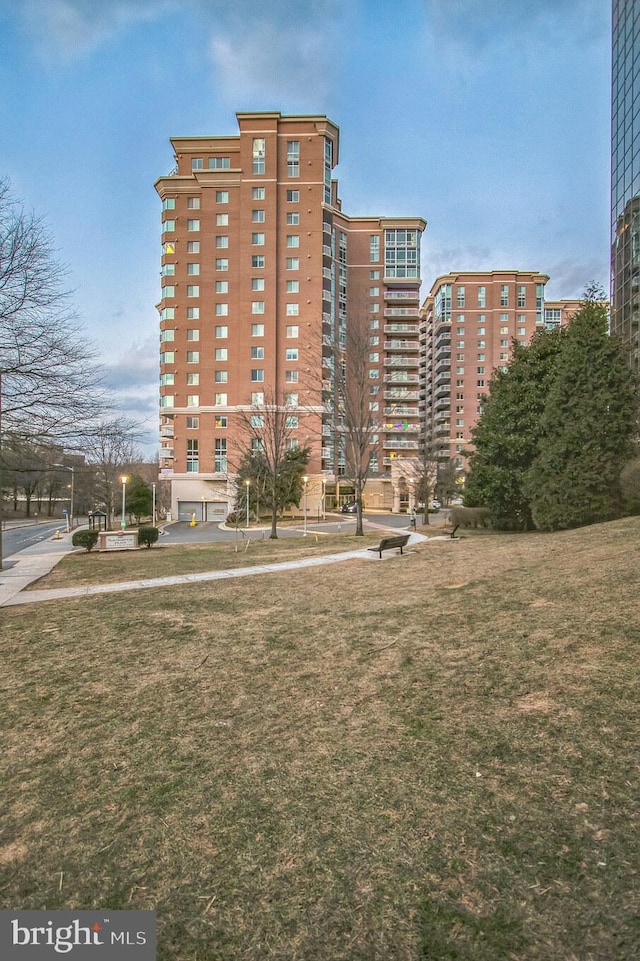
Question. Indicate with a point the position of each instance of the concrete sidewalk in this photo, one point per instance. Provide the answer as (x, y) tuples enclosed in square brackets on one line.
[(34, 562), (21, 569)]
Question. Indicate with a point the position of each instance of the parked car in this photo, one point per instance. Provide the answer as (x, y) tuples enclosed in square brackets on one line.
[(350, 508), (437, 505)]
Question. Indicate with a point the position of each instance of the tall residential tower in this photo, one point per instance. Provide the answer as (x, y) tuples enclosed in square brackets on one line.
[(261, 271)]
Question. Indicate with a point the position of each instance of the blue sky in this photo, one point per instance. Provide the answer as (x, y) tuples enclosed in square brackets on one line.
[(490, 118)]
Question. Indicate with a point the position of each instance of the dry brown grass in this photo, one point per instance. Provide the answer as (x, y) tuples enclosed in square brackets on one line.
[(429, 757)]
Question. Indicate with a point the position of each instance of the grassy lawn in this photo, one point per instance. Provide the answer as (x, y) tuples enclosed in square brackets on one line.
[(427, 758)]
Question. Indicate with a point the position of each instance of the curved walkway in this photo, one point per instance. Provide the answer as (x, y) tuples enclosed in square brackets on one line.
[(34, 563)]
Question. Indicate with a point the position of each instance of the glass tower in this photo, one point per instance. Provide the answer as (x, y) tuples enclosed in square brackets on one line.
[(625, 174)]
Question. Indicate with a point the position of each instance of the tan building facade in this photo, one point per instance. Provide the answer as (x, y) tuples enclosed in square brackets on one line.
[(467, 326), (261, 270)]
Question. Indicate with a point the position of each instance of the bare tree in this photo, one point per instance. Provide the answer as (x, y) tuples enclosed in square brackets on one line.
[(270, 427), (357, 426), (48, 375), (111, 452)]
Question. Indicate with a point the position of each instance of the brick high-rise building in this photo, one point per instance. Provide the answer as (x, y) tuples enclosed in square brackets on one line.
[(468, 322), (261, 270)]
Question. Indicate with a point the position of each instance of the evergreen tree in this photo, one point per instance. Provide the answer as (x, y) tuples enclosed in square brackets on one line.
[(507, 433), (139, 498), (587, 428)]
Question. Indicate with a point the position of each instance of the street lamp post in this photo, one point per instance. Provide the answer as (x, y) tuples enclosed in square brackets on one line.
[(247, 484), (153, 505), (306, 481), (324, 499), (123, 481), (70, 517)]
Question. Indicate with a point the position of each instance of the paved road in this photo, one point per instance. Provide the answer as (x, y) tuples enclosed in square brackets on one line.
[(182, 533), (17, 538)]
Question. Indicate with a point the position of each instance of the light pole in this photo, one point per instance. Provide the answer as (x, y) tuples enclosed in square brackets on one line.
[(153, 505), (70, 518), (247, 484), (324, 499), (123, 481), (306, 481)]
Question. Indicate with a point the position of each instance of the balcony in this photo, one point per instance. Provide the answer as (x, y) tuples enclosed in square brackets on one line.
[(400, 445), (401, 429), (402, 294), (401, 329), (399, 394), (167, 430), (406, 379), (401, 345), (397, 361), (166, 452), (326, 251), (401, 312), (399, 411)]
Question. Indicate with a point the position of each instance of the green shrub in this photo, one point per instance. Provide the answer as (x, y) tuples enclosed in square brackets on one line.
[(147, 536), (469, 517), (86, 539)]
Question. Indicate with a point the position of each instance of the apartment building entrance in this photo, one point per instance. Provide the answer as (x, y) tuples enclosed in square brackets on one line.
[(215, 511)]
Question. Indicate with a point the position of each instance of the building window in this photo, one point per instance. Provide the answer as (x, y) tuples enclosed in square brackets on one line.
[(220, 456), (480, 383), (482, 296), (222, 220), (193, 225), (258, 193), (193, 357), (257, 420), (504, 295), (257, 375), (257, 240), (220, 400), (259, 152), (291, 376), (193, 380), (257, 216), (220, 376), (293, 219), (169, 203), (219, 163), (293, 263), (257, 353), (192, 456), (168, 380), (460, 295), (221, 353), (193, 203), (257, 306), (257, 330), (168, 400), (193, 400), (291, 353), (222, 310), (292, 330), (257, 398), (168, 291), (293, 240), (291, 422), (291, 400), (222, 241), (374, 248), (168, 313), (220, 421), (192, 423), (197, 163), (522, 296), (222, 263), (193, 290), (401, 253), (257, 283), (479, 370), (168, 226), (193, 270), (222, 286), (293, 286), (293, 196), (167, 357), (374, 275), (167, 335), (168, 247), (222, 196), (222, 332), (293, 310), (293, 158), (257, 261)]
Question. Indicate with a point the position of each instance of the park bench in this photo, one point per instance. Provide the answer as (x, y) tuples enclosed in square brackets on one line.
[(388, 543)]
